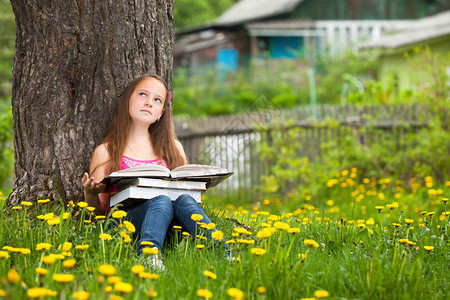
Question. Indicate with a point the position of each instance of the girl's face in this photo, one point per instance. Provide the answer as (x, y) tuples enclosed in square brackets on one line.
[(147, 101)]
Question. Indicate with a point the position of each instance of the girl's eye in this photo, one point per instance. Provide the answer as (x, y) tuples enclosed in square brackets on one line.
[(158, 100), (142, 94)]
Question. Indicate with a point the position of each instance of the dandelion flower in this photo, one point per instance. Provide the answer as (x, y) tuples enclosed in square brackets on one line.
[(241, 230), (210, 274), (26, 203), (105, 236), (217, 235), (230, 242), (130, 227), (41, 271), (177, 227), (293, 230), (16, 207), (82, 204), (311, 243), (379, 208), (81, 247), (2, 293), (261, 290), (428, 248), (100, 217), (107, 269), (321, 294), (66, 215), (81, 295), (196, 217), (146, 243), (4, 254), (126, 237), (136, 269), (150, 251), (264, 233), (200, 246), (63, 278), (69, 263), (39, 292), (119, 214), (235, 293), (54, 221), (123, 287), (151, 293), (114, 279), (258, 251), (146, 275), (13, 276), (396, 225), (302, 256), (43, 201), (203, 293)]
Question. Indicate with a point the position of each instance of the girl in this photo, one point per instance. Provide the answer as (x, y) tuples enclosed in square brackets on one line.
[(142, 133)]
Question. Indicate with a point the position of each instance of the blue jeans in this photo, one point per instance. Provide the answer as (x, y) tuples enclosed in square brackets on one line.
[(153, 217)]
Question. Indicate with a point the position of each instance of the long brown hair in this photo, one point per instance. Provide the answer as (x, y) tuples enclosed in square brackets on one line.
[(162, 133)]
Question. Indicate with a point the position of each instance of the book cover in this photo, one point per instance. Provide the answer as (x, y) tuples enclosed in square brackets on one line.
[(134, 195)]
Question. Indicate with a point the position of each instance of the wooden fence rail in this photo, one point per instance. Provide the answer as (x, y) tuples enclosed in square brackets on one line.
[(234, 141)]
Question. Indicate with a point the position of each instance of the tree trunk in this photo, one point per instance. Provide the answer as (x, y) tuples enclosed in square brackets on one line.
[(73, 59)]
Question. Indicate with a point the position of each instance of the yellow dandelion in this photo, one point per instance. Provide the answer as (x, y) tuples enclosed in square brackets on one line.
[(41, 271), (235, 293), (100, 217), (82, 204), (379, 208), (146, 275), (302, 256), (119, 214), (129, 226), (281, 225), (63, 278), (200, 246), (105, 236), (54, 221), (184, 233), (428, 248), (123, 287), (321, 294), (230, 242), (69, 263), (203, 293), (2, 293), (16, 207), (39, 292), (177, 227), (126, 237), (146, 243), (136, 269), (264, 233), (107, 269), (90, 208), (13, 276), (261, 290), (210, 274), (258, 251), (81, 295), (26, 203), (43, 201), (66, 215), (217, 235), (114, 279), (66, 246), (293, 230), (409, 221), (4, 254), (311, 243), (150, 251), (81, 247), (196, 217)]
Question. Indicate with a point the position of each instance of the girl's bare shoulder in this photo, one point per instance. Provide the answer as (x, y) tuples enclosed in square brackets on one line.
[(100, 154)]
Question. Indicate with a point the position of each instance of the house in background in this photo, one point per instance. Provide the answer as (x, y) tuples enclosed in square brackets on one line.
[(432, 32), (292, 29)]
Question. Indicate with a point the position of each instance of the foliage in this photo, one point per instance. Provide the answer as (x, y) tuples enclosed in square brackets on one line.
[(206, 90), (7, 34), (191, 13), (6, 148), (322, 244)]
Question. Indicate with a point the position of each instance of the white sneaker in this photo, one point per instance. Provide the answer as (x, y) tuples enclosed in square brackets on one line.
[(156, 263)]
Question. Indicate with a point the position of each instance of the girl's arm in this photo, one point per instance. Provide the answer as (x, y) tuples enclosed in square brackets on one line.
[(93, 189)]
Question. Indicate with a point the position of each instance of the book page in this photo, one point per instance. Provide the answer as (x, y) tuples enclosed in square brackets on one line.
[(197, 170)]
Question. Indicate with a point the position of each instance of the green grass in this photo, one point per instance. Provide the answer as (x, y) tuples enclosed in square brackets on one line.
[(359, 253)]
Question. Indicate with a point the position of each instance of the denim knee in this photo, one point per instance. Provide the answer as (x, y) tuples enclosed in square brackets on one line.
[(184, 201)]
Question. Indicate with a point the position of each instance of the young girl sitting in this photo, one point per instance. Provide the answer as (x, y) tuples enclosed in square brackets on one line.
[(142, 133)]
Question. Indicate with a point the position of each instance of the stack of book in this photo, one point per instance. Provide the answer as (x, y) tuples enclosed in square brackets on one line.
[(141, 183)]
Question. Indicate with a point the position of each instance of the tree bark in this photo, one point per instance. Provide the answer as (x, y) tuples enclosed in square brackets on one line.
[(73, 59)]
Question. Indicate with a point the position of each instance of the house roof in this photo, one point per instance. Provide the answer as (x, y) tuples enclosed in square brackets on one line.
[(421, 30), (252, 10)]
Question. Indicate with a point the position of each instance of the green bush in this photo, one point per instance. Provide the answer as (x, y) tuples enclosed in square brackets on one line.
[(6, 148)]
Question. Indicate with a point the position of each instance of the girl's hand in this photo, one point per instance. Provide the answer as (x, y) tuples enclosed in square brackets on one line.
[(91, 185)]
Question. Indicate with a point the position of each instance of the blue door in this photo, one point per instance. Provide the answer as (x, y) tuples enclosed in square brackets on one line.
[(286, 47)]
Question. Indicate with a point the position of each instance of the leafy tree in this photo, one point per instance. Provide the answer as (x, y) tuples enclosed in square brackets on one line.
[(191, 13)]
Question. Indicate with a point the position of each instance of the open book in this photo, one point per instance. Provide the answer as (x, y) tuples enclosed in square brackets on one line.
[(193, 172)]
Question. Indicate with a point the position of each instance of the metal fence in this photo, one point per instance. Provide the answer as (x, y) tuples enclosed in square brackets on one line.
[(233, 141)]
